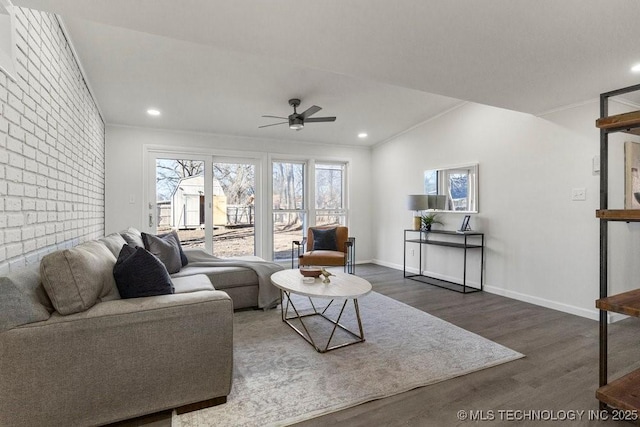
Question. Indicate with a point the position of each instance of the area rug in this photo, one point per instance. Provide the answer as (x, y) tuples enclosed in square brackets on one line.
[(279, 379)]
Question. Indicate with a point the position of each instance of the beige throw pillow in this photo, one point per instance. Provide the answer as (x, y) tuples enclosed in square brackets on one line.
[(133, 237), (114, 242), (75, 279)]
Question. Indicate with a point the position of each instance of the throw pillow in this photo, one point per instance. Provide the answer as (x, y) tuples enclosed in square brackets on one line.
[(133, 237), (166, 248), (139, 273), (324, 239), (19, 304), (113, 242), (183, 257), (76, 279)]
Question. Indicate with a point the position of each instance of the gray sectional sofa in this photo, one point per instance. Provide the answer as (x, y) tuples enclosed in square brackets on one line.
[(72, 352)]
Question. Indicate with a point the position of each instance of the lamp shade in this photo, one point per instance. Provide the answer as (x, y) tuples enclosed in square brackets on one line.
[(438, 202), (422, 202), (417, 202)]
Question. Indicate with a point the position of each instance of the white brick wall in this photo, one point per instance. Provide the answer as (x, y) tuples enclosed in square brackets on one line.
[(51, 148)]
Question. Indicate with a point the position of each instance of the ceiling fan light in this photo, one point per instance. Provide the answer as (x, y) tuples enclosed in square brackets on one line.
[(296, 123)]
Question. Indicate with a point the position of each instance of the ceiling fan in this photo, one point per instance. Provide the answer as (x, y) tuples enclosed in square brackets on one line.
[(297, 120)]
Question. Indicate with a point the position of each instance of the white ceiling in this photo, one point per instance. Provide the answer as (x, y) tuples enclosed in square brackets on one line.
[(217, 66)]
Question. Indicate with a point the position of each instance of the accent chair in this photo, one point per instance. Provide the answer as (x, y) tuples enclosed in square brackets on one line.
[(325, 246)]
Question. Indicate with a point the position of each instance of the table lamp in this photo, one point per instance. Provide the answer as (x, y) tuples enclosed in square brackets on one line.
[(417, 202)]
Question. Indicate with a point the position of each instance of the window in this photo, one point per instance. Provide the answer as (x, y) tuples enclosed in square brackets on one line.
[(289, 212), (330, 194)]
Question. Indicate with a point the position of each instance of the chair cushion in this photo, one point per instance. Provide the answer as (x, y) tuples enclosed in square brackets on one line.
[(166, 248), (76, 279), (139, 273), (324, 239), (322, 258)]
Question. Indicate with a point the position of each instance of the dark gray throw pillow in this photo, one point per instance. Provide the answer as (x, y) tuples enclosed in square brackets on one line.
[(324, 239), (139, 273), (183, 257), (166, 248)]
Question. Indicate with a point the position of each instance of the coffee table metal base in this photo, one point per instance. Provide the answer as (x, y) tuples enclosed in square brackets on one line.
[(358, 338)]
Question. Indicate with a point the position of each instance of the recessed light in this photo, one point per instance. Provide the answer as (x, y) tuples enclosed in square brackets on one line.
[(362, 135), (153, 112), (636, 68)]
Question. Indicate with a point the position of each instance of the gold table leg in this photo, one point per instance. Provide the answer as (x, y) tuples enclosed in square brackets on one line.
[(336, 323)]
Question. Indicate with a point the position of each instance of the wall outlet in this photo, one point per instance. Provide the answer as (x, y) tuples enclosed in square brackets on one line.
[(579, 194), (413, 252)]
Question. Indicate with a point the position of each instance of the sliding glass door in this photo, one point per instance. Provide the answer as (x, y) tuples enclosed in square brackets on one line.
[(179, 199), (234, 208), (209, 201)]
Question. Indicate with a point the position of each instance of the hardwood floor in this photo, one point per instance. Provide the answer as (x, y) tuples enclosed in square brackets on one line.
[(559, 372)]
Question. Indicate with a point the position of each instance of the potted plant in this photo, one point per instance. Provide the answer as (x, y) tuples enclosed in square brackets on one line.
[(429, 219)]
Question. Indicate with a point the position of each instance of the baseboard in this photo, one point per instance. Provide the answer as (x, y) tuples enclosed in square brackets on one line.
[(543, 302), (412, 270), (592, 314)]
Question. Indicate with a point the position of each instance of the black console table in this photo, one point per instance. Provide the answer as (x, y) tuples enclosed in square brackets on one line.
[(454, 239)]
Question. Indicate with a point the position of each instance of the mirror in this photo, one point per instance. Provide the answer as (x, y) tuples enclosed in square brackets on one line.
[(459, 184)]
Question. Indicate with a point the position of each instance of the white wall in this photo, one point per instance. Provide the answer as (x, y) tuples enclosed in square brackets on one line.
[(541, 246), (124, 172), (51, 148)]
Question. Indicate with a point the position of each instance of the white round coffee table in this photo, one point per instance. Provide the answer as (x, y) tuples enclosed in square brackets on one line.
[(342, 287)]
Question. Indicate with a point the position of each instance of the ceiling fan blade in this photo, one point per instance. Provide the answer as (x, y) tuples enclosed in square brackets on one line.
[(320, 119), (276, 117), (309, 111), (273, 124)]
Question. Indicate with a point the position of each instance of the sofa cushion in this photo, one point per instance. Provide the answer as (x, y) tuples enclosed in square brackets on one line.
[(166, 248), (75, 279), (21, 298), (222, 277), (139, 273), (195, 283), (324, 239), (114, 242), (133, 237)]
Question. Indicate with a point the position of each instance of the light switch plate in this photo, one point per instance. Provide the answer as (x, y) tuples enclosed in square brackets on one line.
[(596, 164)]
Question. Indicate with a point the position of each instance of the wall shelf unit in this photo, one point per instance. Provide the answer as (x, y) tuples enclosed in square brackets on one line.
[(628, 215), (622, 393)]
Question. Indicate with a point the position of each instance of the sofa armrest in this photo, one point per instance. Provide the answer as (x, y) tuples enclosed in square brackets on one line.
[(120, 359)]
